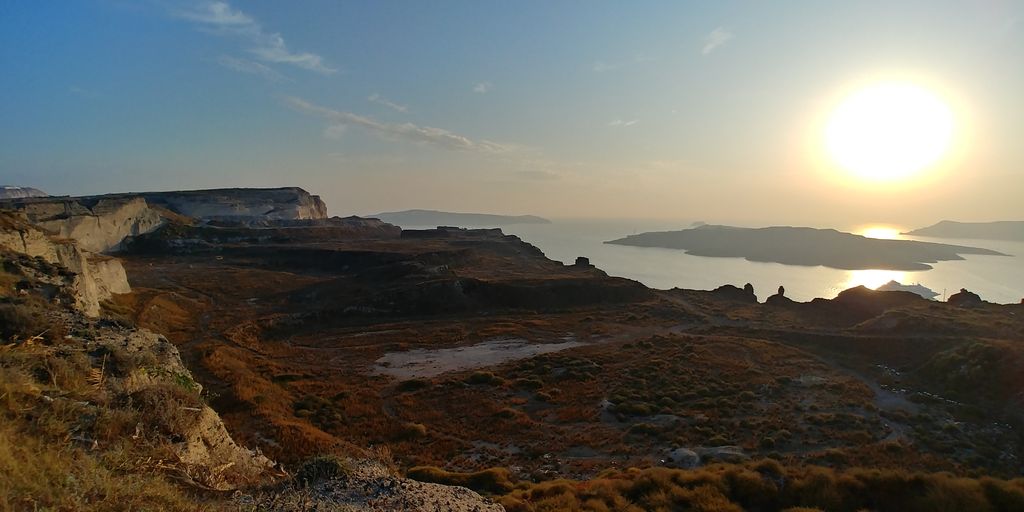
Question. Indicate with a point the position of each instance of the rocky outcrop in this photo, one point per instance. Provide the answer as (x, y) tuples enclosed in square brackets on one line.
[(9, 192), (965, 299), (203, 448), (97, 224), (241, 204), (368, 485), (94, 277), (730, 292)]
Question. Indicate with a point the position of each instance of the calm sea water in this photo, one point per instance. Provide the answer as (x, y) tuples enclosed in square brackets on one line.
[(995, 278)]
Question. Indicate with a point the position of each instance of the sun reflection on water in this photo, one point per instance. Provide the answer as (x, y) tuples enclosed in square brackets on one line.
[(871, 278), (883, 232)]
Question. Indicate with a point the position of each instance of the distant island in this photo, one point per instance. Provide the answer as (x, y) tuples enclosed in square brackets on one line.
[(804, 246), (919, 289), (1000, 230), (437, 218)]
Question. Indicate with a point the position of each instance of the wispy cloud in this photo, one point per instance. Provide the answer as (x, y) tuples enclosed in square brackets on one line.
[(482, 87), (429, 135), (380, 100), (220, 18), (715, 39), (601, 66), (250, 67), (620, 122)]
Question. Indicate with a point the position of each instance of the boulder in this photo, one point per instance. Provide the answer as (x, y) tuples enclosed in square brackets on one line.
[(681, 458), (732, 454), (965, 299)]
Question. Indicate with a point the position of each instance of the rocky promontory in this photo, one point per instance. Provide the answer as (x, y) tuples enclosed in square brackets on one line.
[(1000, 230)]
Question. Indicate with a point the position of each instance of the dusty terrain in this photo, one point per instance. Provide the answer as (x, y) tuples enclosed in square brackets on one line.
[(470, 349)]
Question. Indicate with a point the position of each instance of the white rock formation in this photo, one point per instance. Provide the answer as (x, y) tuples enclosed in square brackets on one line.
[(9, 192), (242, 204), (96, 277), (97, 224), (205, 450)]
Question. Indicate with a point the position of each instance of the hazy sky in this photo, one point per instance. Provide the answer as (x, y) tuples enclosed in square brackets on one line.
[(706, 111)]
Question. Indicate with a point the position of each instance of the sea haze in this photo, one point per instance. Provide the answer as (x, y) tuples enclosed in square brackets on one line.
[(995, 278)]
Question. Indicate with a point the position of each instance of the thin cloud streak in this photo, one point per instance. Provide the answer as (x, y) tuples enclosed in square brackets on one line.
[(380, 100), (429, 135), (716, 39), (221, 19), (250, 67), (620, 122)]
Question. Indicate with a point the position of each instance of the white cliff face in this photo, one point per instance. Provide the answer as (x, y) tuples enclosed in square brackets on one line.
[(73, 232), (96, 277), (242, 204), (101, 226), (9, 192)]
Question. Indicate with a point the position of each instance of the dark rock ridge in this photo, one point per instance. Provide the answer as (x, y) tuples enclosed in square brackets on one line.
[(965, 299), (804, 246), (9, 192), (730, 292), (1000, 230), (437, 218)]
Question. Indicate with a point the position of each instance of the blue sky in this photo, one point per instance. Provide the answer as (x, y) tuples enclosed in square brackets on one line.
[(612, 109)]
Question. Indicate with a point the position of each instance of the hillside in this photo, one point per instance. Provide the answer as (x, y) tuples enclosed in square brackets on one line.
[(318, 363), (804, 246), (436, 218), (1000, 230)]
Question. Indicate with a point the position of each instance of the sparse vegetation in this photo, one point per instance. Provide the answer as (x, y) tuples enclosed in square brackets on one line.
[(322, 467), (490, 481), (767, 486)]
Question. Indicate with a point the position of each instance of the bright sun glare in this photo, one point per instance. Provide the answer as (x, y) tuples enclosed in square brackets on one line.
[(889, 131)]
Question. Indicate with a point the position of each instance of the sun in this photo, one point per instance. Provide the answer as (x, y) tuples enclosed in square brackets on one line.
[(889, 131)]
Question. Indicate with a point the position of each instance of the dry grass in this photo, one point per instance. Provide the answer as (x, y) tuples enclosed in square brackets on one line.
[(768, 487), (63, 448)]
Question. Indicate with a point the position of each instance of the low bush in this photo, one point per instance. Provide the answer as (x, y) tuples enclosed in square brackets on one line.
[(488, 481), (322, 467)]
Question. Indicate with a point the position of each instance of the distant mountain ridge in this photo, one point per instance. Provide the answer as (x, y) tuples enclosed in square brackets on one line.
[(804, 246), (439, 218), (998, 230)]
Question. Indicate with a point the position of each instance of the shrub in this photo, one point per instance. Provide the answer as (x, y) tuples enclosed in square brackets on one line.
[(168, 408), (322, 467), (488, 378), (410, 385), (21, 321), (490, 481), (411, 431)]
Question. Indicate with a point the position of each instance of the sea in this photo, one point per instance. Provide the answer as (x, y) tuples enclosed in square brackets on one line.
[(997, 279)]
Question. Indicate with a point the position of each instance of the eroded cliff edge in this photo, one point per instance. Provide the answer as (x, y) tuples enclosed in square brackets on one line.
[(112, 408)]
